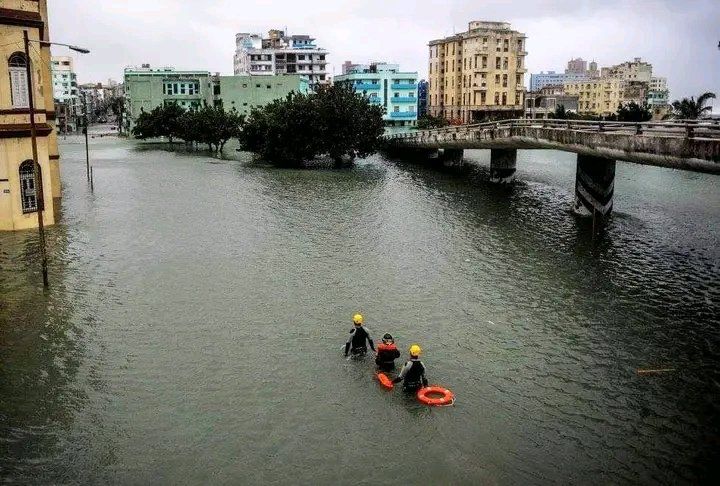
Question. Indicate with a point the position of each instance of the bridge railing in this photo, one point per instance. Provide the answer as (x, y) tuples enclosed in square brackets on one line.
[(675, 128)]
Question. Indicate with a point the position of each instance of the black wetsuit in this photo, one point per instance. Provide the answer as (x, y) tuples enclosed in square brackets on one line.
[(386, 355), (413, 374), (359, 336)]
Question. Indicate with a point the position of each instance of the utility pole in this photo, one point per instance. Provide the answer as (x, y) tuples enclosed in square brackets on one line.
[(39, 197), (87, 152)]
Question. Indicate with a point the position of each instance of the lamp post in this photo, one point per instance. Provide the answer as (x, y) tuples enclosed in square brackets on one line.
[(39, 197)]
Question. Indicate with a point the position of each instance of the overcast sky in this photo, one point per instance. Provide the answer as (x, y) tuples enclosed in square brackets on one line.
[(679, 37)]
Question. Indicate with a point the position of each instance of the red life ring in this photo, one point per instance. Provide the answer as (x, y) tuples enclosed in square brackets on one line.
[(446, 396), (385, 381)]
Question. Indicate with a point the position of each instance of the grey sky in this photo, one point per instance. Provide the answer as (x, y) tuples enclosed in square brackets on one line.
[(679, 37)]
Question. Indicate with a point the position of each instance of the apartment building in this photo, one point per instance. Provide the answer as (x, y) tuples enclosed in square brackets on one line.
[(279, 53), (65, 92), (636, 70), (386, 85), (147, 88), (478, 74), (19, 196)]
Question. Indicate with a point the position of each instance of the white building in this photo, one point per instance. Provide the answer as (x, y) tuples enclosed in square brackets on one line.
[(65, 92), (635, 70), (281, 54)]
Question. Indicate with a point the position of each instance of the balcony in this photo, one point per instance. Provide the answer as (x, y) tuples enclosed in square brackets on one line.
[(403, 99), (403, 86), (362, 86), (374, 100), (403, 114)]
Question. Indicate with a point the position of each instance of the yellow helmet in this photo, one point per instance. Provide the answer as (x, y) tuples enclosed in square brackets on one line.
[(358, 319), (415, 350)]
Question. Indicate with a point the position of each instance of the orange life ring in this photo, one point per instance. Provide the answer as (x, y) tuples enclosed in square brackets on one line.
[(446, 396), (385, 381)]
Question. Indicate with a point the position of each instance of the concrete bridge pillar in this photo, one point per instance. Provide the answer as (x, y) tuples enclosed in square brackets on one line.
[(594, 185), (502, 165), (450, 157)]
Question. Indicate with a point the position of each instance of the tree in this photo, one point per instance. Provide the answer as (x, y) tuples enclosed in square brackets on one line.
[(212, 125), (336, 121), (632, 112), (690, 109), (162, 121), (428, 121)]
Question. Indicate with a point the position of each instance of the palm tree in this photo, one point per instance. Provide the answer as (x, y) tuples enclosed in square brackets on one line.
[(689, 109)]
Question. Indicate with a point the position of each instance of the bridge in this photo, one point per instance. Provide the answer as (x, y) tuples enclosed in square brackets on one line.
[(692, 145)]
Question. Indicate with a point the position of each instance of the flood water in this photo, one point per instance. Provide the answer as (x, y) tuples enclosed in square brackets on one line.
[(192, 331)]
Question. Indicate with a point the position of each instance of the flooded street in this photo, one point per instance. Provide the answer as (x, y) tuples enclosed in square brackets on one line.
[(192, 330)]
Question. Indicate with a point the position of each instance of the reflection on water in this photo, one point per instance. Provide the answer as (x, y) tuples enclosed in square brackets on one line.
[(197, 306)]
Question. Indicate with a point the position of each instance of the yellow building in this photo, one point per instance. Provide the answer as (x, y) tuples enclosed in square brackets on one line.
[(18, 202), (602, 97), (478, 74)]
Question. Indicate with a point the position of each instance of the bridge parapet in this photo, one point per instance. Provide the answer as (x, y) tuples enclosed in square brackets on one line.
[(688, 144)]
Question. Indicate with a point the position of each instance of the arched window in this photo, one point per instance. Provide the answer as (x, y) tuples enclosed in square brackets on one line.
[(17, 66), (28, 187)]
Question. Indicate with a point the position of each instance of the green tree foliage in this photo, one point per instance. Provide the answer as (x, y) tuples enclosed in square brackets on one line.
[(633, 112), (428, 121), (210, 125), (162, 121), (336, 121), (691, 109)]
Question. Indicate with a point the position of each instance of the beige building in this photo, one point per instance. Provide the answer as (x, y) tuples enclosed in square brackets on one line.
[(478, 74), (601, 97), (18, 196)]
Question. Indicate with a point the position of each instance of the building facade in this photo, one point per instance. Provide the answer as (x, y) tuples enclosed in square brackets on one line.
[(636, 70), (422, 98), (539, 80), (478, 74), (384, 84), (279, 53), (147, 88), (602, 97), (540, 105), (658, 97), (19, 198), (65, 93)]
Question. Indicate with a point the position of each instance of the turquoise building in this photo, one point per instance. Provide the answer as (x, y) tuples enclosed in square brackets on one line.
[(147, 88), (387, 86)]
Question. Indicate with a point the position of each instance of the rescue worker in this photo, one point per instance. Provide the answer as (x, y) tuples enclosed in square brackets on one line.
[(387, 352), (413, 373), (356, 344)]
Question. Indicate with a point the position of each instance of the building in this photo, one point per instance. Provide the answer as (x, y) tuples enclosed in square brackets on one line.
[(65, 93), (542, 105), (478, 74), (19, 201), (422, 98), (147, 88), (279, 53), (602, 97), (658, 97), (346, 66), (576, 66), (539, 80), (635, 70), (387, 86)]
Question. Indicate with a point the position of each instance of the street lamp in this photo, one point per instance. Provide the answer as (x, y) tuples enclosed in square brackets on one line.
[(39, 196)]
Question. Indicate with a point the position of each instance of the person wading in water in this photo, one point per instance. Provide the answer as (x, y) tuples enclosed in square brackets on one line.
[(359, 336)]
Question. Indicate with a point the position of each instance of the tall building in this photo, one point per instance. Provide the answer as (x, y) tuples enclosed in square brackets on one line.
[(422, 98), (19, 198), (65, 92), (658, 97), (147, 88), (478, 74), (387, 86), (577, 66), (279, 53)]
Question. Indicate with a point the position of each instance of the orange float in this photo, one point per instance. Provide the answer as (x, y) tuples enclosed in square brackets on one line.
[(385, 381), (436, 396)]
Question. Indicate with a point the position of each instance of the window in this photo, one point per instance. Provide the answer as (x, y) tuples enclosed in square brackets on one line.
[(257, 85), (244, 85), (301, 57), (504, 82), (216, 89), (17, 65), (28, 191), (396, 109), (497, 63)]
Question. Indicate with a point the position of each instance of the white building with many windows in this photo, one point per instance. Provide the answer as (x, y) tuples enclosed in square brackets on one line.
[(279, 53), (65, 92)]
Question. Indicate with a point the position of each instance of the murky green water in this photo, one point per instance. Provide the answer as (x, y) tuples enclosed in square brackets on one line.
[(192, 332)]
